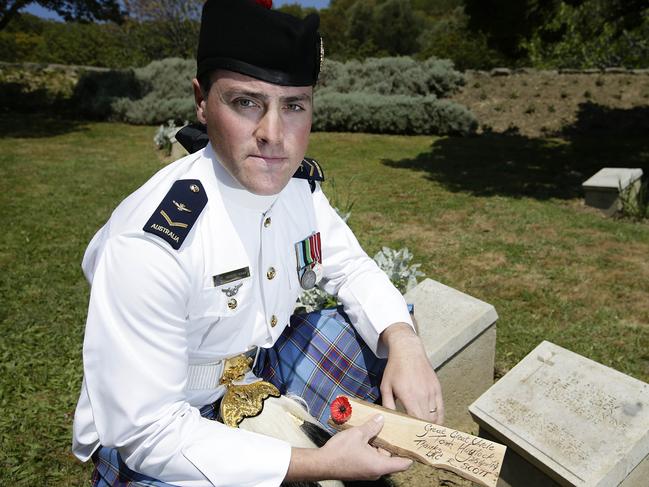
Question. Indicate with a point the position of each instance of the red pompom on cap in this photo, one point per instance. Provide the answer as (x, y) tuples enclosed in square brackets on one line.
[(341, 410), (265, 3)]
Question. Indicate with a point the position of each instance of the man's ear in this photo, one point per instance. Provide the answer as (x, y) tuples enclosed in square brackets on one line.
[(200, 101)]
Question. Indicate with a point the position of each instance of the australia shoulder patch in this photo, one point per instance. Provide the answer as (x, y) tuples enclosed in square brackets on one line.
[(180, 208)]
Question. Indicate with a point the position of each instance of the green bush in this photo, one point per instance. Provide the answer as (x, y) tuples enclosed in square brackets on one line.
[(150, 95), (582, 37), (391, 114), (392, 95), (395, 95), (34, 87), (391, 76), (97, 92), (450, 38), (166, 92)]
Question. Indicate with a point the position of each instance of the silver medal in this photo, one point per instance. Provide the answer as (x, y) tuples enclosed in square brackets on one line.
[(308, 279)]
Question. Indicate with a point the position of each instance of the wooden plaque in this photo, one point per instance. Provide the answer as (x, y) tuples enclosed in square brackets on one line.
[(471, 457)]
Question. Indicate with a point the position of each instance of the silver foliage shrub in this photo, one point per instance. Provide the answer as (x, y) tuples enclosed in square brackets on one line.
[(391, 76), (395, 263), (380, 95), (166, 135), (391, 114), (166, 93)]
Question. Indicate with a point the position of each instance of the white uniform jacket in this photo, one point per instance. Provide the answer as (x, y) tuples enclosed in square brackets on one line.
[(155, 315)]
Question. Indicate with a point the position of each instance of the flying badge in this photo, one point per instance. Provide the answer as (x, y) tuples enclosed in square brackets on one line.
[(308, 253)]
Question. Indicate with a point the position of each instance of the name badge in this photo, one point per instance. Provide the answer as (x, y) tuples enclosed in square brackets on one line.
[(231, 276)]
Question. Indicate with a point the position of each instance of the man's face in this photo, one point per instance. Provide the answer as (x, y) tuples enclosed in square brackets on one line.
[(259, 131)]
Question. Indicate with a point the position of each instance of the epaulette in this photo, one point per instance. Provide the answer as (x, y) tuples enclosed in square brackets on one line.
[(193, 137), (310, 170), (173, 219)]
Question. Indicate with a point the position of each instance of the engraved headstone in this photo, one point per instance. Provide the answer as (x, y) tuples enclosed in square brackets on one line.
[(459, 335), (579, 422)]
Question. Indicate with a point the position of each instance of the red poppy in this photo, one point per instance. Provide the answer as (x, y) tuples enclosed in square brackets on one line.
[(265, 3), (341, 410)]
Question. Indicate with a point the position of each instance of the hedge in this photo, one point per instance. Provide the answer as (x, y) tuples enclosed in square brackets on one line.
[(387, 95), (392, 76), (391, 114)]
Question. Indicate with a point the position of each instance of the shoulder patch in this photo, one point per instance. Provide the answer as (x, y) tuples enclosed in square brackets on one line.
[(193, 137), (176, 214), (310, 170)]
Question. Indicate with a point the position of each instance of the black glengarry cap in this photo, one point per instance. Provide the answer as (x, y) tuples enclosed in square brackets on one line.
[(248, 38)]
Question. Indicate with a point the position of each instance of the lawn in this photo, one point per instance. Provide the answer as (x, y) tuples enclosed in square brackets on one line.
[(498, 217)]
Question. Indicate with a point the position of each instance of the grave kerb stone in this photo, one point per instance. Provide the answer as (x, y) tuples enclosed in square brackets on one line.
[(447, 319), (602, 190), (613, 178)]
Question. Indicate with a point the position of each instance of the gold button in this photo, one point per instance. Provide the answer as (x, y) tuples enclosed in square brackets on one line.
[(194, 188), (267, 222), (232, 303), (273, 321), (271, 273)]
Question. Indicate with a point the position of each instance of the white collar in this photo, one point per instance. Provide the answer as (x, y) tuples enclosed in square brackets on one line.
[(232, 191)]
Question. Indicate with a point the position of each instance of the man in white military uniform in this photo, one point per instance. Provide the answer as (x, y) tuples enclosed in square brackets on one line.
[(202, 263)]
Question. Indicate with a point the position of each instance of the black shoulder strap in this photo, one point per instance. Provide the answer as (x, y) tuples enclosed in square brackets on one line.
[(193, 137), (310, 170), (178, 211)]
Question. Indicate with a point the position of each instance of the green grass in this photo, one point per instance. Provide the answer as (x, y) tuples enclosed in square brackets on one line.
[(497, 217)]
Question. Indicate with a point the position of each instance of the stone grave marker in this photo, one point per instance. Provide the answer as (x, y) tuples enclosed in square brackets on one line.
[(602, 190), (578, 422), (459, 334)]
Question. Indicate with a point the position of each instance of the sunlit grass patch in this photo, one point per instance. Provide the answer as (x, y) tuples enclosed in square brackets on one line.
[(497, 217)]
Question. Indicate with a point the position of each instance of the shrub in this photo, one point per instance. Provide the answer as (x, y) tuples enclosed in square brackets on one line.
[(166, 86), (391, 76), (393, 95), (97, 91), (391, 114), (449, 37), (635, 202), (395, 263), (153, 94)]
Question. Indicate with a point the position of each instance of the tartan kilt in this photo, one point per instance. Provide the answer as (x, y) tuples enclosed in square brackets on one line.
[(111, 471), (318, 357)]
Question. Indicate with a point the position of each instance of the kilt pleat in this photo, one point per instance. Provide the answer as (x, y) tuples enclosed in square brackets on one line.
[(319, 357)]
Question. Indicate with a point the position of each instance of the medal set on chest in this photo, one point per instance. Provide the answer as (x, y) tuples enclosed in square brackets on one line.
[(308, 253)]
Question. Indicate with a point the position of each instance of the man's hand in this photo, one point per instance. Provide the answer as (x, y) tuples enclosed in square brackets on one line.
[(409, 376), (346, 456)]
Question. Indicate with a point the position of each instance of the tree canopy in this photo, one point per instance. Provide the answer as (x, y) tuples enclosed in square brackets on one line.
[(79, 10)]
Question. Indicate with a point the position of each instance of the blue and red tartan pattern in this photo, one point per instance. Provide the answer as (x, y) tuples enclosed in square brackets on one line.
[(111, 471), (319, 357)]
